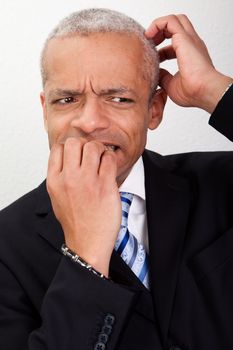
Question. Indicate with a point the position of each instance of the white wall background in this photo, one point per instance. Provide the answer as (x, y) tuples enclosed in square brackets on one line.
[(24, 26)]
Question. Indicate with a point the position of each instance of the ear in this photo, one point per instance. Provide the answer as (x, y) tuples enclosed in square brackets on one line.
[(156, 108), (42, 101)]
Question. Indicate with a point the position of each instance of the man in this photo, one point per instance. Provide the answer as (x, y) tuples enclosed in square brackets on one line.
[(99, 78)]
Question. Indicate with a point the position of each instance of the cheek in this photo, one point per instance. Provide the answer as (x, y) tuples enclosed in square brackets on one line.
[(57, 126), (139, 132)]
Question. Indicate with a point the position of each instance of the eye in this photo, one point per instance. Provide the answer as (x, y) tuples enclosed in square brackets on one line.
[(65, 100), (121, 100)]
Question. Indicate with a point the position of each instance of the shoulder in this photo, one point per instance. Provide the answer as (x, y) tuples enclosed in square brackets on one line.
[(24, 254), (214, 164), (199, 167), (192, 161), (23, 205), (18, 219)]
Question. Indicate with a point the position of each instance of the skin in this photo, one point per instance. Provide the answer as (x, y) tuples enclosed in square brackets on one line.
[(95, 95), (196, 83), (97, 112), (86, 105)]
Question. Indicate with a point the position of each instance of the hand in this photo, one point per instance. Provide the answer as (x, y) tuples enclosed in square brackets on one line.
[(197, 83), (82, 186)]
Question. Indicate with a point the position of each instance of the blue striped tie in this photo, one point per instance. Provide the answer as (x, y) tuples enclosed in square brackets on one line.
[(131, 251)]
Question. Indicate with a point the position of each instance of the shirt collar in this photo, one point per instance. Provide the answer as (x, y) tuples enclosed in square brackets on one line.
[(135, 181)]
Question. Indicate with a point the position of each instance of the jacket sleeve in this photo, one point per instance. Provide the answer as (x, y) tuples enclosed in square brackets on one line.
[(222, 117), (85, 315)]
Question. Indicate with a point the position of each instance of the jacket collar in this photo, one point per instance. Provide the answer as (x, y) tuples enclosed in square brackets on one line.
[(167, 204)]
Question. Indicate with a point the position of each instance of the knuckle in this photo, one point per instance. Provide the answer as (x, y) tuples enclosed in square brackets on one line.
[(182, 15), (89, 148), (93, 146), (173, 17), (71, 142)]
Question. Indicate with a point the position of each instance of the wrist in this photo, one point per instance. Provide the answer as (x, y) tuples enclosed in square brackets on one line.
[(213, 91), (66, 251), (92, 255)]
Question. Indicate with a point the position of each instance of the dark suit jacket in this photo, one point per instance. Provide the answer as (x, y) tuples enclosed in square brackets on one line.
[(48, 302)]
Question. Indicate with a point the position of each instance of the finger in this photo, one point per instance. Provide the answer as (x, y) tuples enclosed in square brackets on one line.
[(163, 28), (164, 79), (72, 153), (188, 26), (161, 36), (55, 163), (166, 53), (108, 166), (92, 152)]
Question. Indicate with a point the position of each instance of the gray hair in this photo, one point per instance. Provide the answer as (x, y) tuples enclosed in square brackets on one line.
[(99, 20)]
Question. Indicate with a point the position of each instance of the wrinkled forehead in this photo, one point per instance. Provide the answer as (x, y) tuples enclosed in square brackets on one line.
[(100, 59)]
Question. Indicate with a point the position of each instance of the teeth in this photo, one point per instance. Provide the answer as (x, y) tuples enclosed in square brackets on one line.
[(110, 148)]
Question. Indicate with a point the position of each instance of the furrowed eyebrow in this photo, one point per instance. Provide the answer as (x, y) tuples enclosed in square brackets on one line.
[(115, 91), (59, 93), (63, 93)]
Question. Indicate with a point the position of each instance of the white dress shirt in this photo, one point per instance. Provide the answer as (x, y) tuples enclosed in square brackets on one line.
[(137, 220)]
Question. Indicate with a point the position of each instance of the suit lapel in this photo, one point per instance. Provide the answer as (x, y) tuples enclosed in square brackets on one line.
[(167, 203)]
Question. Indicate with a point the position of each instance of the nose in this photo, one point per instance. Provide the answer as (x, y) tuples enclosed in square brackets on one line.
[(90, 118)]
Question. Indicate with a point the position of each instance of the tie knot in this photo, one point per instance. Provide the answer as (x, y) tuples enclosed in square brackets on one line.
[(126, 200)]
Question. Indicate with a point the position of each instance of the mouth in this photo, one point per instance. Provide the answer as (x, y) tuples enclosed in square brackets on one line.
[(108, 146), (111, 148)]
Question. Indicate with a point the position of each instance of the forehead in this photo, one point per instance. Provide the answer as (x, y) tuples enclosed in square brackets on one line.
[(102, 56)]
